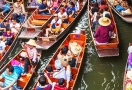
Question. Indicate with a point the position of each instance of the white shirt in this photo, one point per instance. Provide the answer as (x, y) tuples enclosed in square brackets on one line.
[(77, 7), (62, 15), (58, 22), (105, 12), (13, 30), (2, 45), (49, 3)]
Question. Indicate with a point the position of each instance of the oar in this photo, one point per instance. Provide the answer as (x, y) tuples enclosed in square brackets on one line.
[(90, 42), (33, 70)]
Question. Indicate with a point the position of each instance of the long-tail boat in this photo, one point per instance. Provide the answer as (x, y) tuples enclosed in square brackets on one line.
[(111, 48), (126, 17), (79, 38), (10, 48), (46, 42), (127, 82), (34, 24), (23, 80)]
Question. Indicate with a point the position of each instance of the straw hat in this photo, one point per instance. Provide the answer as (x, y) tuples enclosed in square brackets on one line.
[(31, 42), (75, 48), (55, 15), (104, 21)]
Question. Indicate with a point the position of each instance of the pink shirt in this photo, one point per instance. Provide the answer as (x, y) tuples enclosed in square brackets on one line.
[(32, 53), (55, 4)]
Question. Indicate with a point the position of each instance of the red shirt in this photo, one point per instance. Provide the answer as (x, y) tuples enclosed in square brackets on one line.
[(57, 87)]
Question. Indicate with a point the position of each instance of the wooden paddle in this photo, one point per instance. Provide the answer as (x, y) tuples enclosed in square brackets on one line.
[(33, 70), (91, 42)]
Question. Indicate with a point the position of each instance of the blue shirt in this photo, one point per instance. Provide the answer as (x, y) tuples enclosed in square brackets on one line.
[(70, 10), (3, 26), (42, 6), (8, 79)]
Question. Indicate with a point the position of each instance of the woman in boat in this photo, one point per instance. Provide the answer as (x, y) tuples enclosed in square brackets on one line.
[(4, 26), (54, 4), (70, 9), (95, 24), (4, 8), (60, 85), (10, 79), (43, 8), (15, 27), (95, 8), (102, 4), (63, 15), (19, 11), (102, 32), (76, 3), (8, 37), (42, 85), (2, 46), (55, 26), (32, 52)]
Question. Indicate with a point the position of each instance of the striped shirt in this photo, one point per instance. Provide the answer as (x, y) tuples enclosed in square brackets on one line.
[(9, 78)]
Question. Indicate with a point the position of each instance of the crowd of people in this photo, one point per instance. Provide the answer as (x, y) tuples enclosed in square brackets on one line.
[(101, 22), (10, 28), (63, 64)]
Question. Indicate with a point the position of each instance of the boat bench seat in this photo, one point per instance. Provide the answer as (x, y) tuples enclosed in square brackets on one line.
[(38, 22)]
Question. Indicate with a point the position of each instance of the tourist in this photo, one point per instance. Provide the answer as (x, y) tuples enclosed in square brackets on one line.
[(102, 4), (42, 85), (95, 24), (102, 32), (105, 11), (34, 3), (60, 85), (15, 27), (19, 11), (30, 46), (4, 26), (2, 47), (8, 37), (55, 26), (63, 15), (4, 6), (54, 4), (10, 79), (43, 8), (70, 9)]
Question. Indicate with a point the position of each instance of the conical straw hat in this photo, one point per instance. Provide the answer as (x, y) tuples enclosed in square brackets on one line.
[(104, 21), (31, 42)]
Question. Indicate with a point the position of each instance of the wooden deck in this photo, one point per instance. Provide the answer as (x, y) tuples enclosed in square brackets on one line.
[(108, 52)]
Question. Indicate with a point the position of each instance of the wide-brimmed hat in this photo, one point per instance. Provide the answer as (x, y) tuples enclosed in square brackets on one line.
[(75, 48), (104, 21), (55, 15), (31, 42)]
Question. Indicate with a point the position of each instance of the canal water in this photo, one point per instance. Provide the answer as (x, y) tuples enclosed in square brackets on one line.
[(95, 73)]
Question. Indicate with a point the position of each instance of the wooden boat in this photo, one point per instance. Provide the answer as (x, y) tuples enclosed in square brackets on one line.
[(10, 48), (46, 42), (34, 24), (126, 18), (2, 18), (110, 49), (23, 80), (126, 79), (79, 38)]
